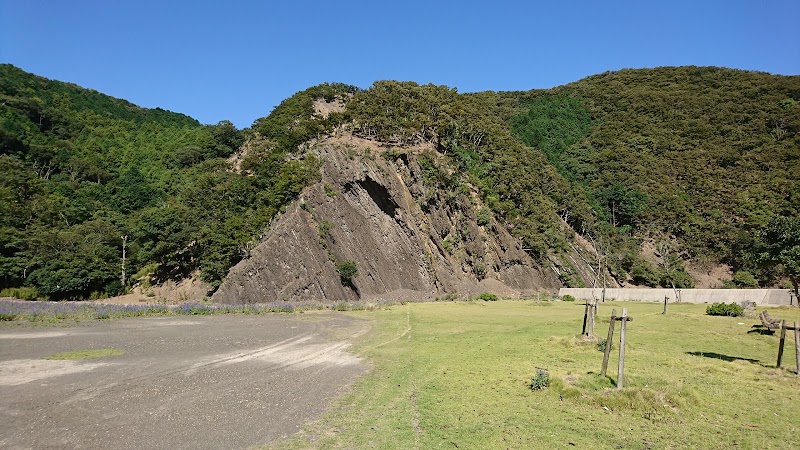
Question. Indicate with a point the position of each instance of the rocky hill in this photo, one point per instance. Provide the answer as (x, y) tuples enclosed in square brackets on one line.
[(675, 176), (374, 207)]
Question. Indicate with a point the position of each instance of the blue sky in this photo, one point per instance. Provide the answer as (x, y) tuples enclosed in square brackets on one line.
[(236, 60)]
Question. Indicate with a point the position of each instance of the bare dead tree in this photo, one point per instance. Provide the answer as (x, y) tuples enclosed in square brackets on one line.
[(668, 264)]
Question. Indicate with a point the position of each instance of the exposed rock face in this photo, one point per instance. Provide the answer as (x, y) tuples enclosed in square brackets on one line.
[(405, 237)]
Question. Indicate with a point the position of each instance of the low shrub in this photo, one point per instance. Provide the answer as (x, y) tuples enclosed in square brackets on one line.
[(324, 229), (347, 271), (487, 297), (725, 309), (567, 298), (484, 217), (541, 380)]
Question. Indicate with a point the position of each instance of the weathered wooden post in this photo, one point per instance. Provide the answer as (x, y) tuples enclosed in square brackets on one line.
[(585, 317), (607, 352), (621, 368), (797, 346), (666, 299), (780, 345)]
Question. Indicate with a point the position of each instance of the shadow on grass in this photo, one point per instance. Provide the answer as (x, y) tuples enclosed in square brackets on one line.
[(760, 329), (611, 382), (728, 358)]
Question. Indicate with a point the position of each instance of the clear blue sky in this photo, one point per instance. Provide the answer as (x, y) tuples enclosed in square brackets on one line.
[(236, 60)]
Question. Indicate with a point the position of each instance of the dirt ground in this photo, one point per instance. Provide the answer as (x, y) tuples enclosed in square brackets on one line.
[(182, 382)]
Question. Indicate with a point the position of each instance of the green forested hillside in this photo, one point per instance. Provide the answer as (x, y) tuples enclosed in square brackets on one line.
[(697, 161), (80, 170), (689, 163), (659, 168)]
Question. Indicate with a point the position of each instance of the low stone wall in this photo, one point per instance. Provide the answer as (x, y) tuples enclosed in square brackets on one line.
[(762, 297)]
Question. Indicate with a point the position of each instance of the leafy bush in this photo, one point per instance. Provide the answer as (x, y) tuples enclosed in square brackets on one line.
[(541, 380), (347, 271), (742, 279), (725, 309), (484, 216), (643, 274), (567, 298), (487, 297), (330, 192), (480, 270), (447, 244), (324, 229), (22, 293)]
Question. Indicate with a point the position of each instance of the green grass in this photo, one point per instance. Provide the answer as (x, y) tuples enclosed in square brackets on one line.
[(86, 354), (457, 375)]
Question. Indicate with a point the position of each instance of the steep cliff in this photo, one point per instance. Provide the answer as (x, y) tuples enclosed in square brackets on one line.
[(380, 208)]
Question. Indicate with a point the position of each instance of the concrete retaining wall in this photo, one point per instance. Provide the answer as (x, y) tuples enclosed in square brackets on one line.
[(762, 297)]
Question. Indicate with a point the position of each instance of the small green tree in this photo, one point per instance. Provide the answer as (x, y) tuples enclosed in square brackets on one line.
[(781, 247), (347, 271), (743, 279)]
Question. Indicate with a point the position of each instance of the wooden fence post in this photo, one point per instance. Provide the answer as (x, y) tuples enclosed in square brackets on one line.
[(621, 368), (585, 317), (608, 342), (797, 346), (780, 345), (666, 298)]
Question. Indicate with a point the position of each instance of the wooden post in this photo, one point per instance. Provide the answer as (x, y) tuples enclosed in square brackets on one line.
[(780, 345), (585, 317), (666, 298), (609, 341), (621, 368), (592, 312), (797, 346)]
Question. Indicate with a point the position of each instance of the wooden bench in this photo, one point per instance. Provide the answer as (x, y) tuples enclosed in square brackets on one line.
[(768, 322), (770, 319)]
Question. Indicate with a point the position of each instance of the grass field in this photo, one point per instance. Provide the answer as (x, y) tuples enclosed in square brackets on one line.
[(85, 354), (457, 375)]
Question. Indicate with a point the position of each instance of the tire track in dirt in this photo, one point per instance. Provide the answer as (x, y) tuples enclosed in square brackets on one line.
[(292, 353)]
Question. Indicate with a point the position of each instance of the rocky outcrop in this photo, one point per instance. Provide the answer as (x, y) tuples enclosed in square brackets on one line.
[(375, 207)]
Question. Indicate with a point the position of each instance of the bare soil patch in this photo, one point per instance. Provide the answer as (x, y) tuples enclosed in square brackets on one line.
[(21, 371), (211, 382)]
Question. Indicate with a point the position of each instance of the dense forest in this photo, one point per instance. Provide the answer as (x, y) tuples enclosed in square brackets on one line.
[(659, 168), (83, 175)]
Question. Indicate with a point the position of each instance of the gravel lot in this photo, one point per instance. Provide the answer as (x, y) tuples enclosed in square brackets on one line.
[(182, 382)]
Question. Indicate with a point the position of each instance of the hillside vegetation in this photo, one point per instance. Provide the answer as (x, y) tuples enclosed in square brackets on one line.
[(79, 171), (688, 164), (660, 169)]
